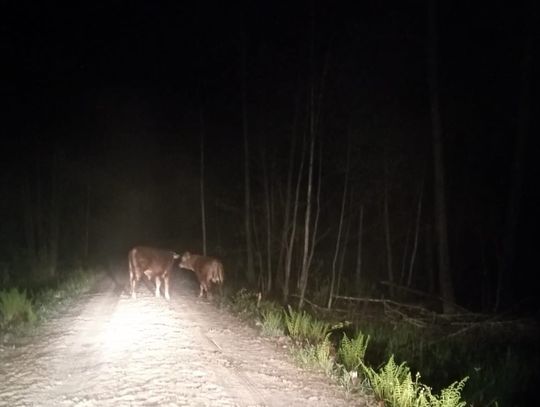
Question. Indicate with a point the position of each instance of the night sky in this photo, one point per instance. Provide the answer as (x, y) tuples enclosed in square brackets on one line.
[(110, 96)]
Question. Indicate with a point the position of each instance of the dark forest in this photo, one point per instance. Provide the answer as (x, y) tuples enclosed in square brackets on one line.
[(319, 149)]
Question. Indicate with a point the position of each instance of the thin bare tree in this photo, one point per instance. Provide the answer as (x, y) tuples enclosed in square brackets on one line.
[(86, 232), (314, 114), (54, 216), (342, 256), (267, 286), (286, 226), (405, 254), (250, 273), (292, 232), (340, 225), (358, 270), (416, 234), (446, 286), (386, 215), (304, 271), (317, 206), (201, 180)]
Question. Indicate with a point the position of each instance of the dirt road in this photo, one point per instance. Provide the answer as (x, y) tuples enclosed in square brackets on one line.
[(110, 350)]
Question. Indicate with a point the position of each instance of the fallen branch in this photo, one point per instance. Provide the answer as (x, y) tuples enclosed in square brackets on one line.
[(425, 295)]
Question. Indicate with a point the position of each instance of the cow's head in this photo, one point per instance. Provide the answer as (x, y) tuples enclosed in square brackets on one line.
[(184, 260)]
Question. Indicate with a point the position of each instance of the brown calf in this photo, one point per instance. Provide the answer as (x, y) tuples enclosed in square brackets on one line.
[(154, 264), (207, 269)]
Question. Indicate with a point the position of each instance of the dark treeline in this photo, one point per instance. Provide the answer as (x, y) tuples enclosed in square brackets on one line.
[(103, 158)]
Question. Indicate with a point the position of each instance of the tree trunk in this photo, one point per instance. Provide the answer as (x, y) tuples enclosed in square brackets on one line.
[(292, 234), (203, 204), (430, 261), (446, 286), (340, 225), (404, 257), (258, 256), (358, 273), (54, 219), (268, 218), (314, 119), (388, 240), (416, 233), (86, 243), (250, 274), (282, 260), (342, 257), (307, 223), (29, 223), (317, 208)]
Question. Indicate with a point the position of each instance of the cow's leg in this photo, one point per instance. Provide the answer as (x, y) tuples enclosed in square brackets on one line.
[(158, 285), (166, 280), (201, 286), (204, 289), (133, 283)]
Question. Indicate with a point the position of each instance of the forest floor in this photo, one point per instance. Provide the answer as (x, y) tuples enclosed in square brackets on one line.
[(111, 350)]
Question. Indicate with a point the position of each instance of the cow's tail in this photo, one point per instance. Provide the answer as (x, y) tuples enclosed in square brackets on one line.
[(131, 263), (217, 273), (131, 258)]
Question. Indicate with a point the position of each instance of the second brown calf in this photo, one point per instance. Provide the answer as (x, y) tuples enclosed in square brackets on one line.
[(208, 270)]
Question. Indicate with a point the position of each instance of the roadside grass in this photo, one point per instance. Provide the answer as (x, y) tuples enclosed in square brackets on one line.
[(483, 367), (272, 322), (15, 308), (305, 329), (21, 309), (316, 356)]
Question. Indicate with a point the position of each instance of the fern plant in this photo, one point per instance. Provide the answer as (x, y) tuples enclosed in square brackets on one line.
[(317, 356), (296, 323), (318, 331), (450, 396), (303, 328), (352, 351), (272, 322), (16, 307), (394, 385), (388, 379), (323, 353)]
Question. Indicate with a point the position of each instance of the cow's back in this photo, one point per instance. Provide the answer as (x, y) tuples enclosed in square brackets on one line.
[(208, 269), (143, 257)]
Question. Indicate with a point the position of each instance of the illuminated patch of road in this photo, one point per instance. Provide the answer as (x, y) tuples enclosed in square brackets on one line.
[(116, 351)]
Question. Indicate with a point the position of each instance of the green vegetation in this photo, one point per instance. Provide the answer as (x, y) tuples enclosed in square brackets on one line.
[(305, 329), (485, 365), (244, 304), (494, 358), (351, 352), (394, 384), (316, 356), (15, 307), (20, 309), (272, 322)]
